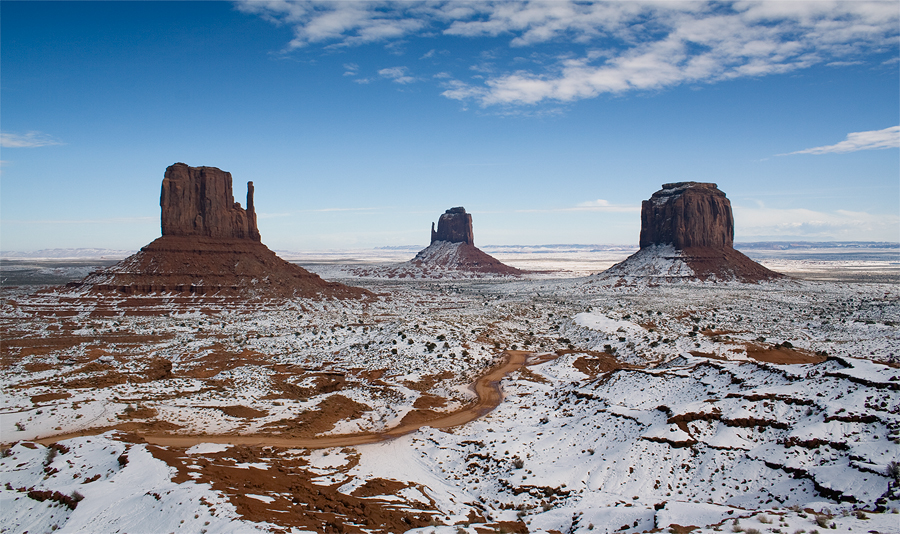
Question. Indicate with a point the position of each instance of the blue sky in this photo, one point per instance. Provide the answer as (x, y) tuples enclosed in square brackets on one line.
[(361, 122)]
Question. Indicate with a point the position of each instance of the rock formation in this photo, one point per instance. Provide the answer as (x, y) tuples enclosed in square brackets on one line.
[(210, 246), (687, 232), (454, 226), (687, 214), (198, 201), (451, 254), (453, 248)]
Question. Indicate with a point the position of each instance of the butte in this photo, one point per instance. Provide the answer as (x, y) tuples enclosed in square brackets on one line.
[(210, 246), (687, 233), (453, 248)]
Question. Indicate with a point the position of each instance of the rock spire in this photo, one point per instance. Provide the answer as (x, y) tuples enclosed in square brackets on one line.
[(198, 201), (210, 247), (454, 226)]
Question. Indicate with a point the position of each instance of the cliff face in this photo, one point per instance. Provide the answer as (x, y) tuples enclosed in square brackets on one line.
[(687, 233), (454, 226), (198, 201), (210, 246), (687, 214)]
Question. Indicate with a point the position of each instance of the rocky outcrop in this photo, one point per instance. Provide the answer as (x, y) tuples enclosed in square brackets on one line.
[(210, 246), (451, 254), (454, 226), (687, 233), (198, 201), (687, 214)]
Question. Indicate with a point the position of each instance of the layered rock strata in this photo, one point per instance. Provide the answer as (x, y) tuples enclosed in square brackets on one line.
[(687, 232), (210, 246), (198, 201), (453, 248), (454, 226)]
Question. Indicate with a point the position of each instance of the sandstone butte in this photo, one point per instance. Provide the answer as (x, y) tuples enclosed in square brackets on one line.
[(453, 247), (210, 245), (695, 219)]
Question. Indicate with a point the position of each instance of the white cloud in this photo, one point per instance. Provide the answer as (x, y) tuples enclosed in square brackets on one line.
[(599, 203), (591, 205), (871, 140), (628, 46), (27, 140), (840, 225), (397, 75)]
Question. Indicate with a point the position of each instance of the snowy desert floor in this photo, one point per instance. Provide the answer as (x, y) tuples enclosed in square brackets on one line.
[(727, 407)]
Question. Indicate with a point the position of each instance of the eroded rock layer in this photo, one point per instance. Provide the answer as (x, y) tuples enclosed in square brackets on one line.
[(687, 214), (454, 226), (199, 201), (213, 266), (210, 247), (687, 233)]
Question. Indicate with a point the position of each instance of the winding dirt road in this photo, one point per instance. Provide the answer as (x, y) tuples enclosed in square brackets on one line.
[(487, 391)]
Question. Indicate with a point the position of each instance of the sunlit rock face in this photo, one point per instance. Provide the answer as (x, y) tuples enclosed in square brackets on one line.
[(454, 226), (687, 233), (687, 214), (210, 246), (198, 201)]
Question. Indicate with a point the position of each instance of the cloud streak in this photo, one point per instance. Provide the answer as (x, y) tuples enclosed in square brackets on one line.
[(815, 225), (27, 140), (626, 46), (871, 140)]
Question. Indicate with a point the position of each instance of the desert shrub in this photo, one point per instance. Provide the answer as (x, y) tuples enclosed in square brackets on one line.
[(765, 519), (893, 471), (822, 521), (752, 531)]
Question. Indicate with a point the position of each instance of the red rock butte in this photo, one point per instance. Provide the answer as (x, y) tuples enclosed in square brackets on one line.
[(452, 248), (691, 223), (210, 245)]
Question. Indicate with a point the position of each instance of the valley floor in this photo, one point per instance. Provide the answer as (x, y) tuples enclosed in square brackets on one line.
[(729, 407)]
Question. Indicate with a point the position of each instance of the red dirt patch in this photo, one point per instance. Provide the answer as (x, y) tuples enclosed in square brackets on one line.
[(243, 412), (782, 355), (331, 410), (598, 363), (47, 397), (296, 501)]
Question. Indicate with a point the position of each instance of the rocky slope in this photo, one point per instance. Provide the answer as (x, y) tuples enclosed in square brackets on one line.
[(210, 246), (687, 233)]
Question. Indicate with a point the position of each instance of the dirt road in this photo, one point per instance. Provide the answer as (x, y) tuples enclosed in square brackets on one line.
[(487, 391)]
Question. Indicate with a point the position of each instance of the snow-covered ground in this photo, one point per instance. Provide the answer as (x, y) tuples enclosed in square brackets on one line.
[(729, 407)]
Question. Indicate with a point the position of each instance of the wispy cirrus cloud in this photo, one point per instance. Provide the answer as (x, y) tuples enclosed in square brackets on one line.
[(625, 46), (27, 140), (871, 140), (397, 75), (591, 205)]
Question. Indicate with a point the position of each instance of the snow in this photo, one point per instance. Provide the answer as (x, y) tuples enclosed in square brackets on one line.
[(696, 433)]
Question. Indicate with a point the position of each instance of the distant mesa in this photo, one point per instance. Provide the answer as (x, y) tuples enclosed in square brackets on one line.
[(454, 226), (453, 248), (687, 232), (451, 254), (210, 245)]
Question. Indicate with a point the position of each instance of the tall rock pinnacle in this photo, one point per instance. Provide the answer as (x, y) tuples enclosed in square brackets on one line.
[(454, 226), (198, 201), (687, 214), (210, 247)]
